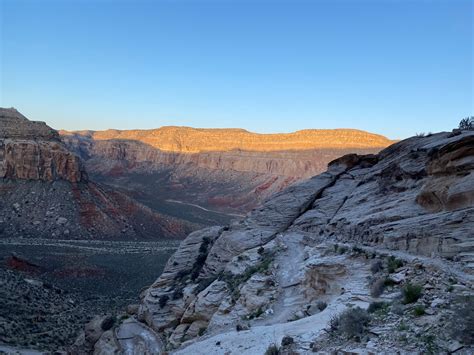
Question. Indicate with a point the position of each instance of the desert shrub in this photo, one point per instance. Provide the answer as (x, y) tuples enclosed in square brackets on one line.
[(377, 306), (462, 323), (108, 322), (419, 310), (202, 284), (467, 124), (389, 282), (255, 314), (377, 287), (403, 326), (272, 350), (411, 293), (352, 323), (287, 340), (234, 281), (321, 305), (420, 134), (376, 266), (393, 263), (202, 331), (201, 258), (342, 250), (357, 250), (163, 300), (261, 250)]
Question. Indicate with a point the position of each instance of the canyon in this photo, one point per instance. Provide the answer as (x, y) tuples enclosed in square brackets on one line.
[(209, 176), (309, 242), (46, 192), (376, 254)]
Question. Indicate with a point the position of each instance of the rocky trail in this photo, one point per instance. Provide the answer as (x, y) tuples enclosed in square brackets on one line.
[(390, 233)]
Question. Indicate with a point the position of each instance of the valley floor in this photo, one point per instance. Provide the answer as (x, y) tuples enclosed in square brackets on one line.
[(50, 288)]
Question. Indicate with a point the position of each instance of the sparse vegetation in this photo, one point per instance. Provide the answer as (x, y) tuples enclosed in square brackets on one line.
[(403, 327), (201, 258), (393, 264), (272, 350), (342, 250), (411, 293), (201, 331), (376, 266), (352, 323), (287, 340), (419, 310), (467, 124), (462, 323), (377, 306), (163, 300), (234, 281), (377, 287), (255, 314), (321, 305)]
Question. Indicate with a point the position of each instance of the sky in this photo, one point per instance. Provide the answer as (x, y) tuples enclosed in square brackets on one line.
[(391, 67)]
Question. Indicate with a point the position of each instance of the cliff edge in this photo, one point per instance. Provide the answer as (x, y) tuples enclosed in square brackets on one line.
[(382, 240)]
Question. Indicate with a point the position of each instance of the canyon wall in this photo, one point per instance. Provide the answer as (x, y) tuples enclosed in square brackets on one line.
[(45, 192), (403, 217), (32, 150), (225, 170)]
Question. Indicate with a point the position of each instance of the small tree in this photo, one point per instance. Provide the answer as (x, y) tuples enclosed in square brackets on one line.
[(467, 124)]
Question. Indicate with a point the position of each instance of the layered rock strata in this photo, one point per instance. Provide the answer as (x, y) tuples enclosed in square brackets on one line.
[(413, 200), (45, 192)]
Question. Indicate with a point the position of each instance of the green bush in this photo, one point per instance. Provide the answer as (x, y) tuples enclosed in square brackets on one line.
[(377, 306), (393, 264), (352, 323), (234, 281), (321, 305), (419, 310), (272, 350), (467, 124), (411, 293)]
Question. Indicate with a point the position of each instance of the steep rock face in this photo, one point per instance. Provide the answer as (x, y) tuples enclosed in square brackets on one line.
[(225, 170), (198, 140), (45, 192), (33, 151), (413, 200)]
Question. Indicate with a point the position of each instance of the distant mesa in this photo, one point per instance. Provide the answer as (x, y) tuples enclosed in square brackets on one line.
[(198, 140)]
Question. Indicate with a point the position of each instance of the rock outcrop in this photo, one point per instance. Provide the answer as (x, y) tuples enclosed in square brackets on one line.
[(45, 192), (33, 151), (308, 252)]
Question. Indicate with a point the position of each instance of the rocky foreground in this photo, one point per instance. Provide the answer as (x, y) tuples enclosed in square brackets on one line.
[(374, 255)]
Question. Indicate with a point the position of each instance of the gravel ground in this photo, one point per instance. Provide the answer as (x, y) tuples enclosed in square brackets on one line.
[(50, 289)]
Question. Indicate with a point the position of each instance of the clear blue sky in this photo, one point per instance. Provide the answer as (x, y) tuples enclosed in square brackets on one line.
[(391, 67)]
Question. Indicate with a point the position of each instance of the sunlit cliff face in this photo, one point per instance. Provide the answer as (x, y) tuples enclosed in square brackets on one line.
[(196, 140)]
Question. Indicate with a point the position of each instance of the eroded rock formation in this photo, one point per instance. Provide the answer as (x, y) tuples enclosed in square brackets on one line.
[(305, 254), (226, 170), (33, 151), (45, 192)]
